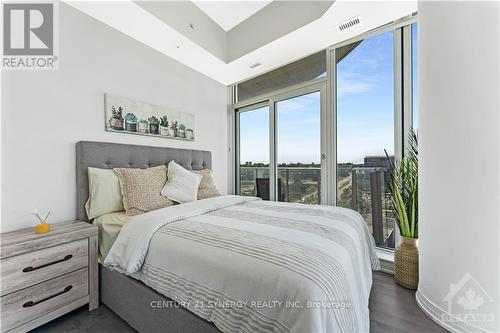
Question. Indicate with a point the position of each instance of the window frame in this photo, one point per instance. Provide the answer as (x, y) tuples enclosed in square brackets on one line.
[(312, 88), (237, 162), (270, 100), (403, 112)]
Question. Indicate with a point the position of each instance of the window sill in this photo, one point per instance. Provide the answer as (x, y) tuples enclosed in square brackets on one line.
[(386, 258)]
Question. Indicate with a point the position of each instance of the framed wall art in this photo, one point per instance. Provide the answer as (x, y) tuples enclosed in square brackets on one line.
[(125, 115)]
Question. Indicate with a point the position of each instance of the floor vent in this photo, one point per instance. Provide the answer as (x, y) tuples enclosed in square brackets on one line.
[(350, 23)]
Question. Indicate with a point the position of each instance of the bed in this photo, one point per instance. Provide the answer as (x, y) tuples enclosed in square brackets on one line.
[(230, 263)]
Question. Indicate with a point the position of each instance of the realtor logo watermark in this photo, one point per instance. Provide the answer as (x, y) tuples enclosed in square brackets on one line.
[(30, 32), (467, 303)]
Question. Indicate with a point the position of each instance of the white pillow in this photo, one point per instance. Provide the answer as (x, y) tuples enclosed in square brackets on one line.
[(182, 184)]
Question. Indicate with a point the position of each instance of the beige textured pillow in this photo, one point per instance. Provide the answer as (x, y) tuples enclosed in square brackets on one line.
[(207, 188), (141, 189)]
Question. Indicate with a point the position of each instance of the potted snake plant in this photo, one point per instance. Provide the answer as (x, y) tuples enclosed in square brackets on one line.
[(404, 187)]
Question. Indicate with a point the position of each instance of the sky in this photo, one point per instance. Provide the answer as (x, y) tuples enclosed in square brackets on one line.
[(365, 103), (365, 112), (298, 131)]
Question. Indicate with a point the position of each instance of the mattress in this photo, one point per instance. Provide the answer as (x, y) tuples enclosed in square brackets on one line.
[(248, 265), (109, 226)]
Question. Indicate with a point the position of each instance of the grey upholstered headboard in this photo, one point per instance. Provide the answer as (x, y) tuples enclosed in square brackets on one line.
[(107, 155)]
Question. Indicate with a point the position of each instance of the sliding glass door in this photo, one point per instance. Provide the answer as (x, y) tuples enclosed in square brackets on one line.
[(253, 151), (365, 131), (279, 146), (298, 148)]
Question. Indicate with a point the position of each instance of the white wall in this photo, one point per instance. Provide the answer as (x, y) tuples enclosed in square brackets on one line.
[(459, 126), (45, 113)]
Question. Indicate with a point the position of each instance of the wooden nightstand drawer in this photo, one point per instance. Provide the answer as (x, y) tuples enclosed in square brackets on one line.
[(27, 269), (43, 276), (27, 304)]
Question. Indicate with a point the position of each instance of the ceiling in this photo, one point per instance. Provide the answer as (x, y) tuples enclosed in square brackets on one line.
[(228, 14), (270, 36)]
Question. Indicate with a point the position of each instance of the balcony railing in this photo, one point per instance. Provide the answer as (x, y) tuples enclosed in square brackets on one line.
[(360, 188), (296, 184), (364, 189)]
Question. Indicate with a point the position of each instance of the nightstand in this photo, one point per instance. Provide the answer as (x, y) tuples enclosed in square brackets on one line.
[(45, 276)]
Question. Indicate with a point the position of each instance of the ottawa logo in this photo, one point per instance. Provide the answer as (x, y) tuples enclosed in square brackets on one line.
[(467, 301)]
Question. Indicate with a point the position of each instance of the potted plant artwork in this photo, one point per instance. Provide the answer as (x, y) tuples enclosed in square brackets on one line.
[(130, 122), (143, 126), (164, 126), (116, 120), (172, 130), (154, 124), (181, 132), (124, 115)]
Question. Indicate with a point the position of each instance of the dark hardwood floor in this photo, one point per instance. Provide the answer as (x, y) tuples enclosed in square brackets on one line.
[(392, 309)]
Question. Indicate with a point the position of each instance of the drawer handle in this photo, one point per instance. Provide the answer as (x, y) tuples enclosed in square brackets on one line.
[(33, 303), (31, 268)]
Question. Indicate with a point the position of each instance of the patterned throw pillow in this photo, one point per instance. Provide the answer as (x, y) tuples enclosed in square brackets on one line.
[(207, 188), (141, 189)]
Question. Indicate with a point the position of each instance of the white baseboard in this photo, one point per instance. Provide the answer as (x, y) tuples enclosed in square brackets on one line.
[(386, 260), (387, 266), (436, 313)]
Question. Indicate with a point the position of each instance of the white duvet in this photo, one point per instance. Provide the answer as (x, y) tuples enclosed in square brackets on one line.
[(255, 266)]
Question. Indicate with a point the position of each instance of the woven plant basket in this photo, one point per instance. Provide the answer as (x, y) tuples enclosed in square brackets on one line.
[(406, 263)]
